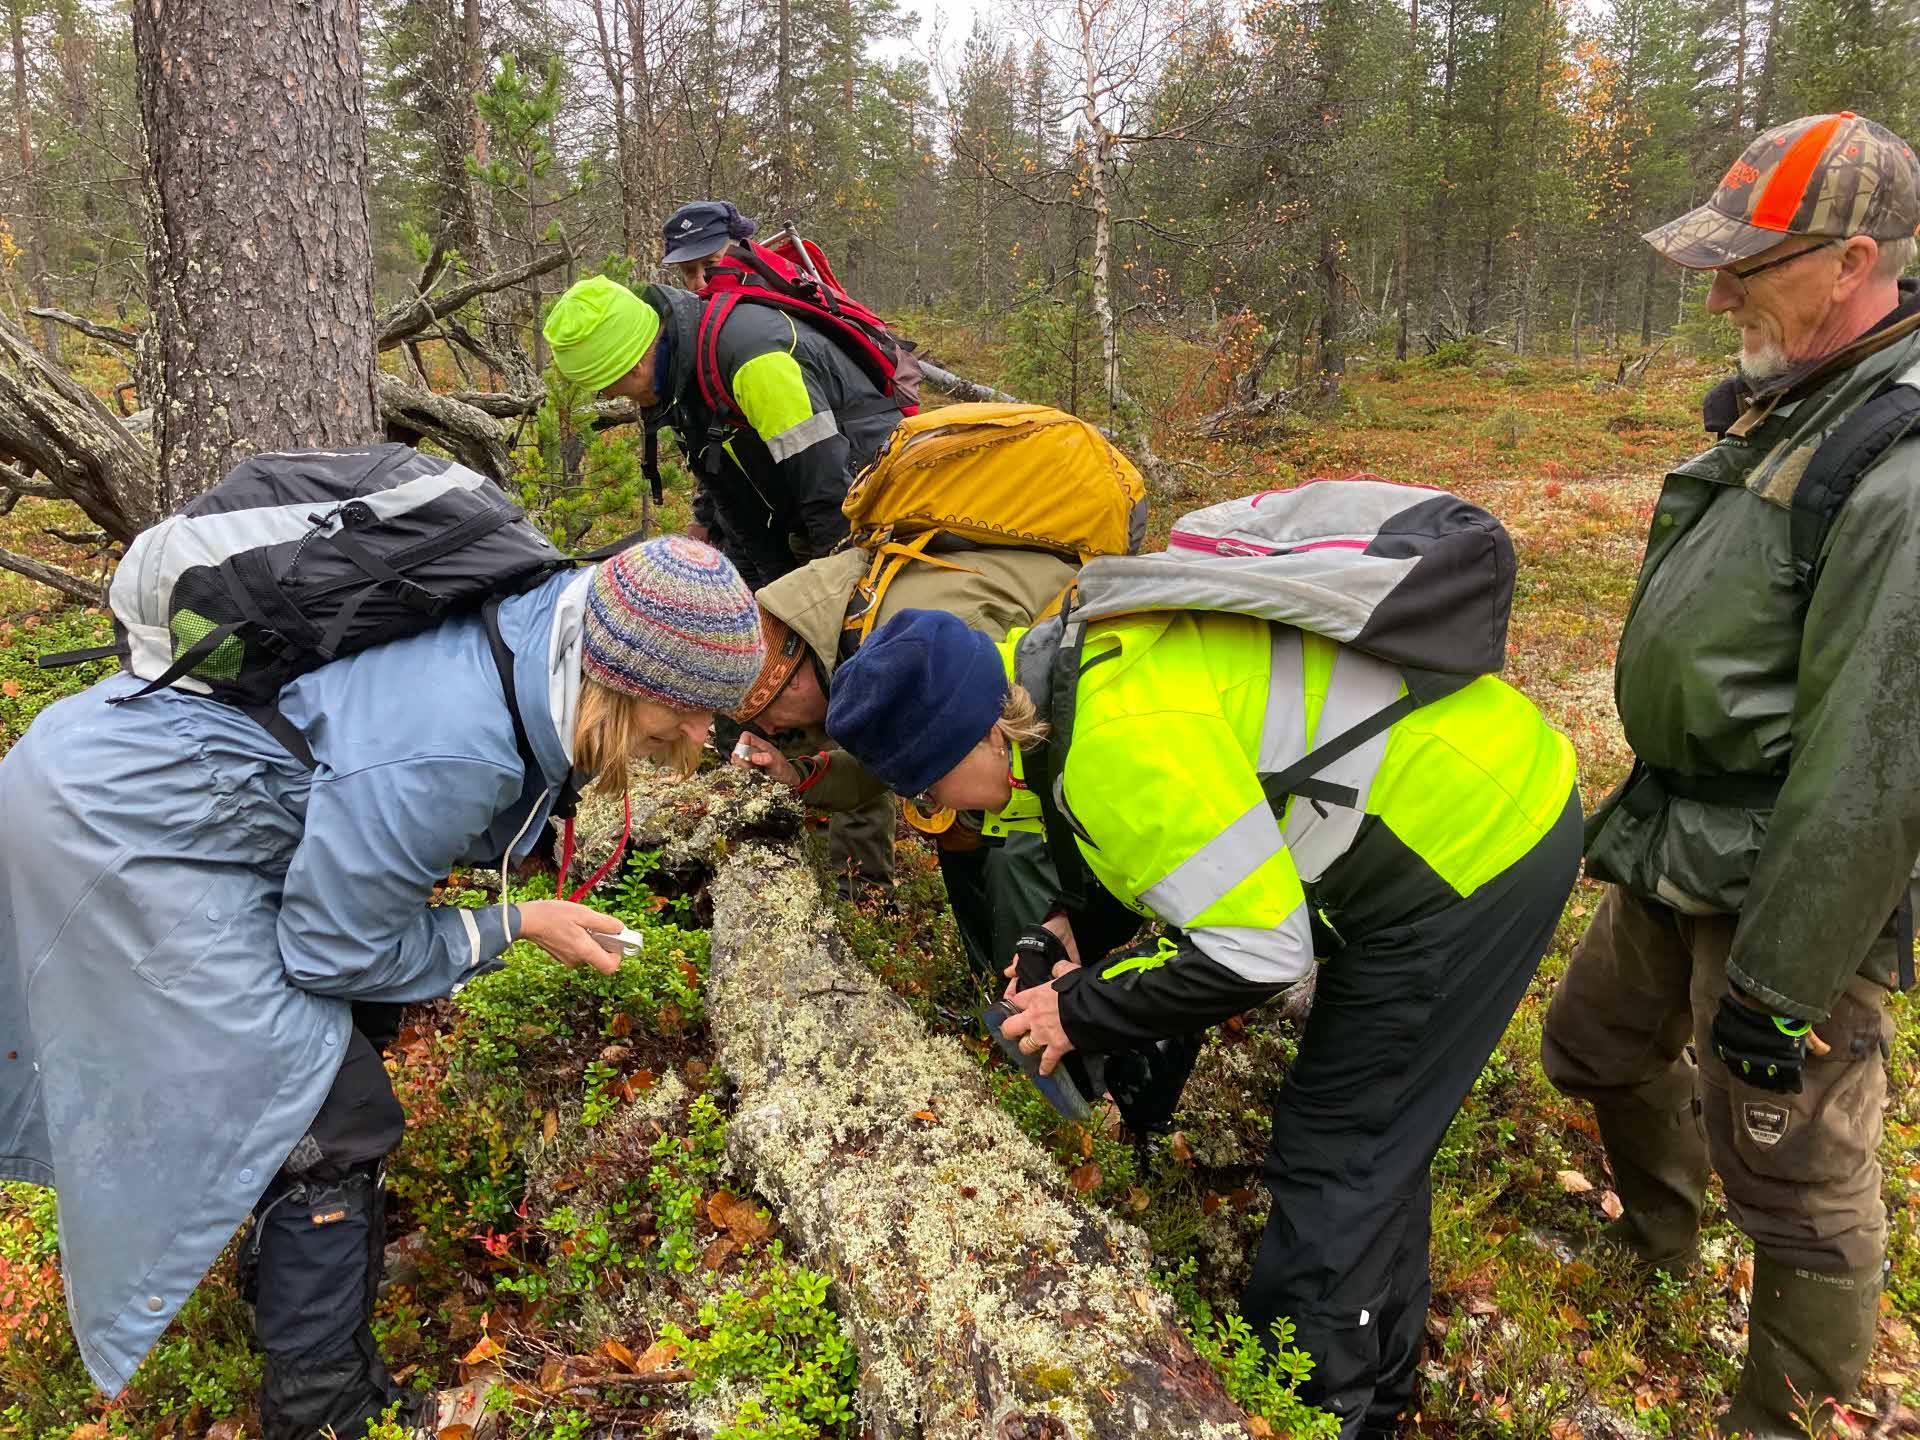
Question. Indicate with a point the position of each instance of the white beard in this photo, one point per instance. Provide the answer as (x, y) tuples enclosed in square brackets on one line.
[(1767, 363)]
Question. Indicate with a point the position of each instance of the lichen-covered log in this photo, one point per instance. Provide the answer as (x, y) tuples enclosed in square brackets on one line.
[(986, 1300)]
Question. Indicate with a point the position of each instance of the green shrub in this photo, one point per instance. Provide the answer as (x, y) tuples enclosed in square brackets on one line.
[(26, 689)]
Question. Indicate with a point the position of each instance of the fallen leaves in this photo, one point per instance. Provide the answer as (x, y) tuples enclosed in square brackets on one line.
[(1610, 1205), (1086, 1178), (742, 1219), (1573, 1182), (487, 1349)]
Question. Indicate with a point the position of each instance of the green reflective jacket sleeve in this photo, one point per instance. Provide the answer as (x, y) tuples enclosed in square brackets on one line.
[(1841, 842)]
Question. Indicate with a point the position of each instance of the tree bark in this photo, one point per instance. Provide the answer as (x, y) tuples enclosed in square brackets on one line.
[(31, 213), (56, 428), (260, 255), (612, 62), (1739, 62)]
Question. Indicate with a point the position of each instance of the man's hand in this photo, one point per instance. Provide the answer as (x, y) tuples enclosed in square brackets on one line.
[(1766, 1051), (565, 931), (1036, 1025), (753, 753), (1039, 955)]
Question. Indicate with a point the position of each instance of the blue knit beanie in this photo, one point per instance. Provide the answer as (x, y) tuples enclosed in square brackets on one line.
[(913, 700), (672, 621)]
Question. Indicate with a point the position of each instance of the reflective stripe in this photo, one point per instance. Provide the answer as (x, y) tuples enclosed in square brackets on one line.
[(1283, 738), (1207, 875), (473, 937), (811, 431), (1319, 833), (1260, 955)]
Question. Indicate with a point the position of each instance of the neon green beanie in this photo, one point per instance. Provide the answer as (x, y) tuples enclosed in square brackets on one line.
[(599, 330)]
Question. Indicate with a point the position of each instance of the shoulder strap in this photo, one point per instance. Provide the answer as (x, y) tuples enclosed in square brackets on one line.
[(1854, 447), (1296, 779), (1046, 764), (503, 662)]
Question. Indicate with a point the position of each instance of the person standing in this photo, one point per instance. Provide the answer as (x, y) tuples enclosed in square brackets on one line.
[(1759, 855)]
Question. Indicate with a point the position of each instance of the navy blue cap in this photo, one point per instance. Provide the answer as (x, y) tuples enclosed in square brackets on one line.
[(703, 227), (916, 697)]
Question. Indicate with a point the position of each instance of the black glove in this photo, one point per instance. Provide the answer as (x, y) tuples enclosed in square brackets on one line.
[(1035, 953), (1764, 1050)]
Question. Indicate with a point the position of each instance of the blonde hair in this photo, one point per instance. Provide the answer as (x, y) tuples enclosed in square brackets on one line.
[(1020, 720), (610, 733)]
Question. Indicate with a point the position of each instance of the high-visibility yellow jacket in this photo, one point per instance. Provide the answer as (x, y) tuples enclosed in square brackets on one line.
[(1162, 781)]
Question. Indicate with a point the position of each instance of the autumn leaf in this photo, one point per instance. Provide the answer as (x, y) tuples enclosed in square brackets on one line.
[(671, 1020), (457, 1432), (658, 1356), (11, 688), (741, 1219), (488, 1349), (1209, 1201), (1481, 1305), (1086, 1179), (926, 1115), (619, 1354), (1138, 1200), (553, 1374), (1566, 1428), (1257, 1425), (549, 1126), (1610, 1205), (1182, 1151), (620, 1026), (1743, 1278), (716, 1254), (1573, 1182)]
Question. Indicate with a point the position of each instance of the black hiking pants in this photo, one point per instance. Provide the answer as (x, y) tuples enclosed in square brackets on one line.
[(1403, 1020), (312, 1263)]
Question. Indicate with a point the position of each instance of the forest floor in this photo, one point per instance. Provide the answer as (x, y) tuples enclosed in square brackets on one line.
[(560, 1198)]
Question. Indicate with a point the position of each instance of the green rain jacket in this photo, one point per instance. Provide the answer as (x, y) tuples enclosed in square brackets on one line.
[(1727, 667)]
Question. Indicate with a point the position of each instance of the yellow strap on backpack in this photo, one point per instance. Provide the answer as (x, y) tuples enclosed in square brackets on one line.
[(889, 559)]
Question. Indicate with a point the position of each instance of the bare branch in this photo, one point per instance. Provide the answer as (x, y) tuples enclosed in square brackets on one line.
[(71, 586), (406, 321), (111, 334)]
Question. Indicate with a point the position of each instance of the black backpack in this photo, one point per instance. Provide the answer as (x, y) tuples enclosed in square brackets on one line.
[(303, 557)]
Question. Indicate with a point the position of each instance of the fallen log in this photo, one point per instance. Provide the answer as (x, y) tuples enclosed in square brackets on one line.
[(986, 1300)]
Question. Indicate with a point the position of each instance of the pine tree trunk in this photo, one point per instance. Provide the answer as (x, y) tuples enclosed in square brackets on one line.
[(1763, 101), (260, 255), (1333, 356), (32, 214), (1579, 283), (1739, 63), (1403, 271), (784, 85), (613, 64), (1647, 288)]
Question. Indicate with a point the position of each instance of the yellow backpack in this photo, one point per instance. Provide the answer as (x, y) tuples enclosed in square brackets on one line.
[(994, 474)]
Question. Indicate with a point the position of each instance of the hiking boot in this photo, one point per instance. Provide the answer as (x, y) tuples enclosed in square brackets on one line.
[(1660, 1170), (1808, 1339)]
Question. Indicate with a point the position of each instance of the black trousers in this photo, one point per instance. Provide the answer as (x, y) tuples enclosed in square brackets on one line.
[(1403, 1020), (312, 1263)]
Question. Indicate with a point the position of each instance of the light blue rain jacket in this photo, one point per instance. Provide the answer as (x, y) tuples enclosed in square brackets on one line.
[(186, 914)]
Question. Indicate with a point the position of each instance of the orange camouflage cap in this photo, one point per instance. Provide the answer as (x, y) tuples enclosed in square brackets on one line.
[(1824, 175), (785, 651)]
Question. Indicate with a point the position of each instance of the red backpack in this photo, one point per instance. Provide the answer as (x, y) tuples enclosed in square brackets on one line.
[(793, 275)]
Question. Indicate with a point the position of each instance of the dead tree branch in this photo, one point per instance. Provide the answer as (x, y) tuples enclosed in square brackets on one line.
[(54, 426), (110, 334), (404, 322), (71, 586)]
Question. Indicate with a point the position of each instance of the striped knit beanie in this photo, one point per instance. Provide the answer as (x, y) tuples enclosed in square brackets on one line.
[(672, 621)]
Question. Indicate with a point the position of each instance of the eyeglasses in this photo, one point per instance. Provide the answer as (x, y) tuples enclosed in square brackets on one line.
[(1741, 277)]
